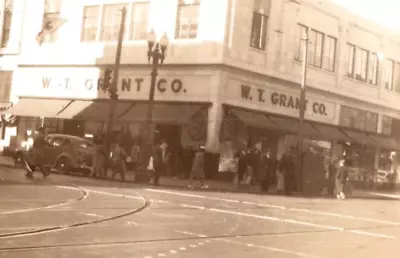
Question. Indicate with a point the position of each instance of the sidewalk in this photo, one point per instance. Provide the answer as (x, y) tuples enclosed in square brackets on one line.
[(214, 185)]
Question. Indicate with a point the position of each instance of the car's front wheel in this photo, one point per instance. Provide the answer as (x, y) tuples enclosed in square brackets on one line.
[(64, 165)]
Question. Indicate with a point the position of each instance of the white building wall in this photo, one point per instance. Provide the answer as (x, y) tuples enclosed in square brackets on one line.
[(207, 48), (324, 16)]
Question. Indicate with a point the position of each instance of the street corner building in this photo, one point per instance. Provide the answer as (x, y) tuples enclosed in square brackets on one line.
[(230, 79)]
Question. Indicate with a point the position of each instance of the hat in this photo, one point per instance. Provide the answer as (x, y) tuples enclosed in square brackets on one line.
[(202, 147)]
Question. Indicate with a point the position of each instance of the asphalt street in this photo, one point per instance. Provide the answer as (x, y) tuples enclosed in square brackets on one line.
[(63, 216)]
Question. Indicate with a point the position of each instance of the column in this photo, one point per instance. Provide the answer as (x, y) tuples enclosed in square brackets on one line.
[(215, 117)]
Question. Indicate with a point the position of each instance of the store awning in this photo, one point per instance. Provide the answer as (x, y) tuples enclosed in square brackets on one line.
[(36, 107), (255, 119), (385, 142), (359, 137), (291, 125), (331, 132), (92, 110), (173, 113)]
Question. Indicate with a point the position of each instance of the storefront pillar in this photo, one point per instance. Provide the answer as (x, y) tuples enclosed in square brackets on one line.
[(213, 145)]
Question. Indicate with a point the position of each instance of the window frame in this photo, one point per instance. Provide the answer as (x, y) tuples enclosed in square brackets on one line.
[(8, 8), (84, 28), (262, 38), (361, 61), (132, 28), (318, 56), (181, 5), (116, 26)]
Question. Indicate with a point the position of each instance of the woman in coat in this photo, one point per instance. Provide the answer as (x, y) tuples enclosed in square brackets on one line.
[(198, 167)]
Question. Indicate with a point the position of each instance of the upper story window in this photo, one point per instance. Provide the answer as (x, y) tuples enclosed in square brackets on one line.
[(111, 22), (321, 48), (187, 20), (7, 19), (362, 64), (139, 21), (90, 23), (102, 22), (51, 21), (259, 24), (392, 77)]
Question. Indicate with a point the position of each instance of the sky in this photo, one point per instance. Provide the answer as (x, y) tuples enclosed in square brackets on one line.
[(384, 12)]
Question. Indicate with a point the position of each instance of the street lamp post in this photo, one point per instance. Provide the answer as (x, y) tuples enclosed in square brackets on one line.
[(302, 109), (156, 54)]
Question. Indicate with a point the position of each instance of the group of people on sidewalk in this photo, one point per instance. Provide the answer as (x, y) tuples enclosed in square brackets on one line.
[(256, 166)]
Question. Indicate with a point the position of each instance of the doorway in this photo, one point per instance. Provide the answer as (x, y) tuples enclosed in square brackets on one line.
[(171, 134)]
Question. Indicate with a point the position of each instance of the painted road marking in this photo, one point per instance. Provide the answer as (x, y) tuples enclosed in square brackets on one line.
[(118, 195), (92, 215), (314, 212), (192, 195), (182, 248), (273, 249), (291, 221), (162, 255), (172, 251)]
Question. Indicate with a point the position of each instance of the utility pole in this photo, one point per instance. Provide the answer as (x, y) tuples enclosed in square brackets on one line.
[(302, 109), (113, 88)]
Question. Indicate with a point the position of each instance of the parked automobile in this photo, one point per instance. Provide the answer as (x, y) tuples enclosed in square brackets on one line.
[(64, 153)]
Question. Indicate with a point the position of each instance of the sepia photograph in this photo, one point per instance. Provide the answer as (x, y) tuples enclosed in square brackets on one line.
[(199, 128)]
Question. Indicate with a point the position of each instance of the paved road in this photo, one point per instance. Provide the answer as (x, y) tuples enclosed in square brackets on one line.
[(78, 217)]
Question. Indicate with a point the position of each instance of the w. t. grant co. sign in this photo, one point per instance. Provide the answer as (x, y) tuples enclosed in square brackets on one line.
[(88, 83), (277, 101)]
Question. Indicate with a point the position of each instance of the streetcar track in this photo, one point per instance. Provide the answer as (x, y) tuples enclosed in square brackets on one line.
[(83, 196), (78, 224)]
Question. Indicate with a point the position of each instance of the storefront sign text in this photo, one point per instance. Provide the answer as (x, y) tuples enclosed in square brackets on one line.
[(126, 84), (281, 99)]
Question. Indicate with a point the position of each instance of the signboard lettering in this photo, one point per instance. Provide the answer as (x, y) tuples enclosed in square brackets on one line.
[(281, 99), (126, 84)]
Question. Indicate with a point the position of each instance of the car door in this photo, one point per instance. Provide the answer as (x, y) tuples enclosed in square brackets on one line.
[(53, 149)]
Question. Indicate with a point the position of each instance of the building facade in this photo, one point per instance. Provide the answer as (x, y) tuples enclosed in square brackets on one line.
[(231, 75)]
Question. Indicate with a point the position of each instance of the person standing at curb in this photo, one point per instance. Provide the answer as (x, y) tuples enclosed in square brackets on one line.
[(198, 168), (36, 157), (341, 177)]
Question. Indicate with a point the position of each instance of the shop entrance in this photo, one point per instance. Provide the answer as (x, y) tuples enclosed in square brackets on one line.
[(169, 133), (74, 127), (172, 135)]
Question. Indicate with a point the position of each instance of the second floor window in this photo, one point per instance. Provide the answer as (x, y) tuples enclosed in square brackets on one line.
[(259, 31), (392, 78), (362, 64), (7, 18), (111, 22), (321, 48), (139, 21), (187, 20), (90, 23), (51, 19), (102, 22)]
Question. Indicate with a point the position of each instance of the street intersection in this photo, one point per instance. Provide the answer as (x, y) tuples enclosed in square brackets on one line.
[(74, 216)]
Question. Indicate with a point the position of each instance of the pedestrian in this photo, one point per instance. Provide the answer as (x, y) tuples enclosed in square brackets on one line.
[(35, 157), (242, 166), (198, 168), (118, 161), (100, 158), (265, 171), (159, 158), (340, 179), (133, 159)]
